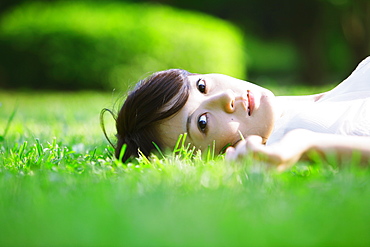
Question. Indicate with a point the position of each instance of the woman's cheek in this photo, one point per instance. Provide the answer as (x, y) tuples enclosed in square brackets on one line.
[(231, 132)]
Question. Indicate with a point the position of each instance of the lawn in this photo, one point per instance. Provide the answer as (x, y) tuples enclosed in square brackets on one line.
[(60, 186)]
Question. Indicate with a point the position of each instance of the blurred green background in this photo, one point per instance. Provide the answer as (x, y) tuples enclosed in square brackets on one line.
[(112, 44), (59, 185)]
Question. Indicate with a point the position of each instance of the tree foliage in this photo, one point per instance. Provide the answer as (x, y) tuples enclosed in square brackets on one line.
[(331, 36)]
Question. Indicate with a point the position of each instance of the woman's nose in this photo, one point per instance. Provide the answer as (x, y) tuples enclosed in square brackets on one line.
[(225, 100)]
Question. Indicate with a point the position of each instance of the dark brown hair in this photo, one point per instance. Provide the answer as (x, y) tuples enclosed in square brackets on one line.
[(145, 107)]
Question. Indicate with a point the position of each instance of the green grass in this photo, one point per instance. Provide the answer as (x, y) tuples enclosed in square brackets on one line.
[(59, 186)]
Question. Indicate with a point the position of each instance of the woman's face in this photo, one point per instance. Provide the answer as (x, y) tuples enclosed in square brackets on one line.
[(221, 109)]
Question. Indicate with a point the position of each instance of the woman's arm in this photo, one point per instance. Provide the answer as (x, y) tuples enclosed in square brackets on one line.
[(297, 143)]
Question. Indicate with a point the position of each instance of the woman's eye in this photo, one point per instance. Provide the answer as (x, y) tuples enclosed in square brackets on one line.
[(202, 123), (201, 85)]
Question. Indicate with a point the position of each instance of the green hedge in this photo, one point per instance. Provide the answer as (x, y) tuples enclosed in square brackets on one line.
[(105, 45)]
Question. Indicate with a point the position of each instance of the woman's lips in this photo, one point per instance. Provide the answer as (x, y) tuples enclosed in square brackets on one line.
[(250, 102)]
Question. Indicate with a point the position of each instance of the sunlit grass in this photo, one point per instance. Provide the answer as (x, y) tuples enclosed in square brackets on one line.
[(59, 186)]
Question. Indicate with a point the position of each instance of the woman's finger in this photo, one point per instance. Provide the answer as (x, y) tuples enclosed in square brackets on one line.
[(233, 153), (254, 139)]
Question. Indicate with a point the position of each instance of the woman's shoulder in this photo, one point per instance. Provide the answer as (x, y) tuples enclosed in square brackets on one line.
[(364, 64), (357, 85)]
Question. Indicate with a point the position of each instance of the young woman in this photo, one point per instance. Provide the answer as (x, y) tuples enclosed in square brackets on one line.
[(245, 118)]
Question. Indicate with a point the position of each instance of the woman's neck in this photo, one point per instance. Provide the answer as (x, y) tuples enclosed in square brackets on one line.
[(288, 103)]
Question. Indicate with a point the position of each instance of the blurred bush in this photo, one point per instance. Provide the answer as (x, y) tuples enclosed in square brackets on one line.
[(105, 45)]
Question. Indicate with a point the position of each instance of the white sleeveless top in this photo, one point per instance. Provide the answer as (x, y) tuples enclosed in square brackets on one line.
[(345, 110)]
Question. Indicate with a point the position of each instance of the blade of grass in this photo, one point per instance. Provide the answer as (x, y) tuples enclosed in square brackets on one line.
[(158, 149), (12, 115)]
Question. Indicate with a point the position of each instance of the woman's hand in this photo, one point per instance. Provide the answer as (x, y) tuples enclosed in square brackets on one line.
[(281, 155), (296, 143)]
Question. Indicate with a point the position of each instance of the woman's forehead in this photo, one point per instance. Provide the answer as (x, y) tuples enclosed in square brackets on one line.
[(172, 127)]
